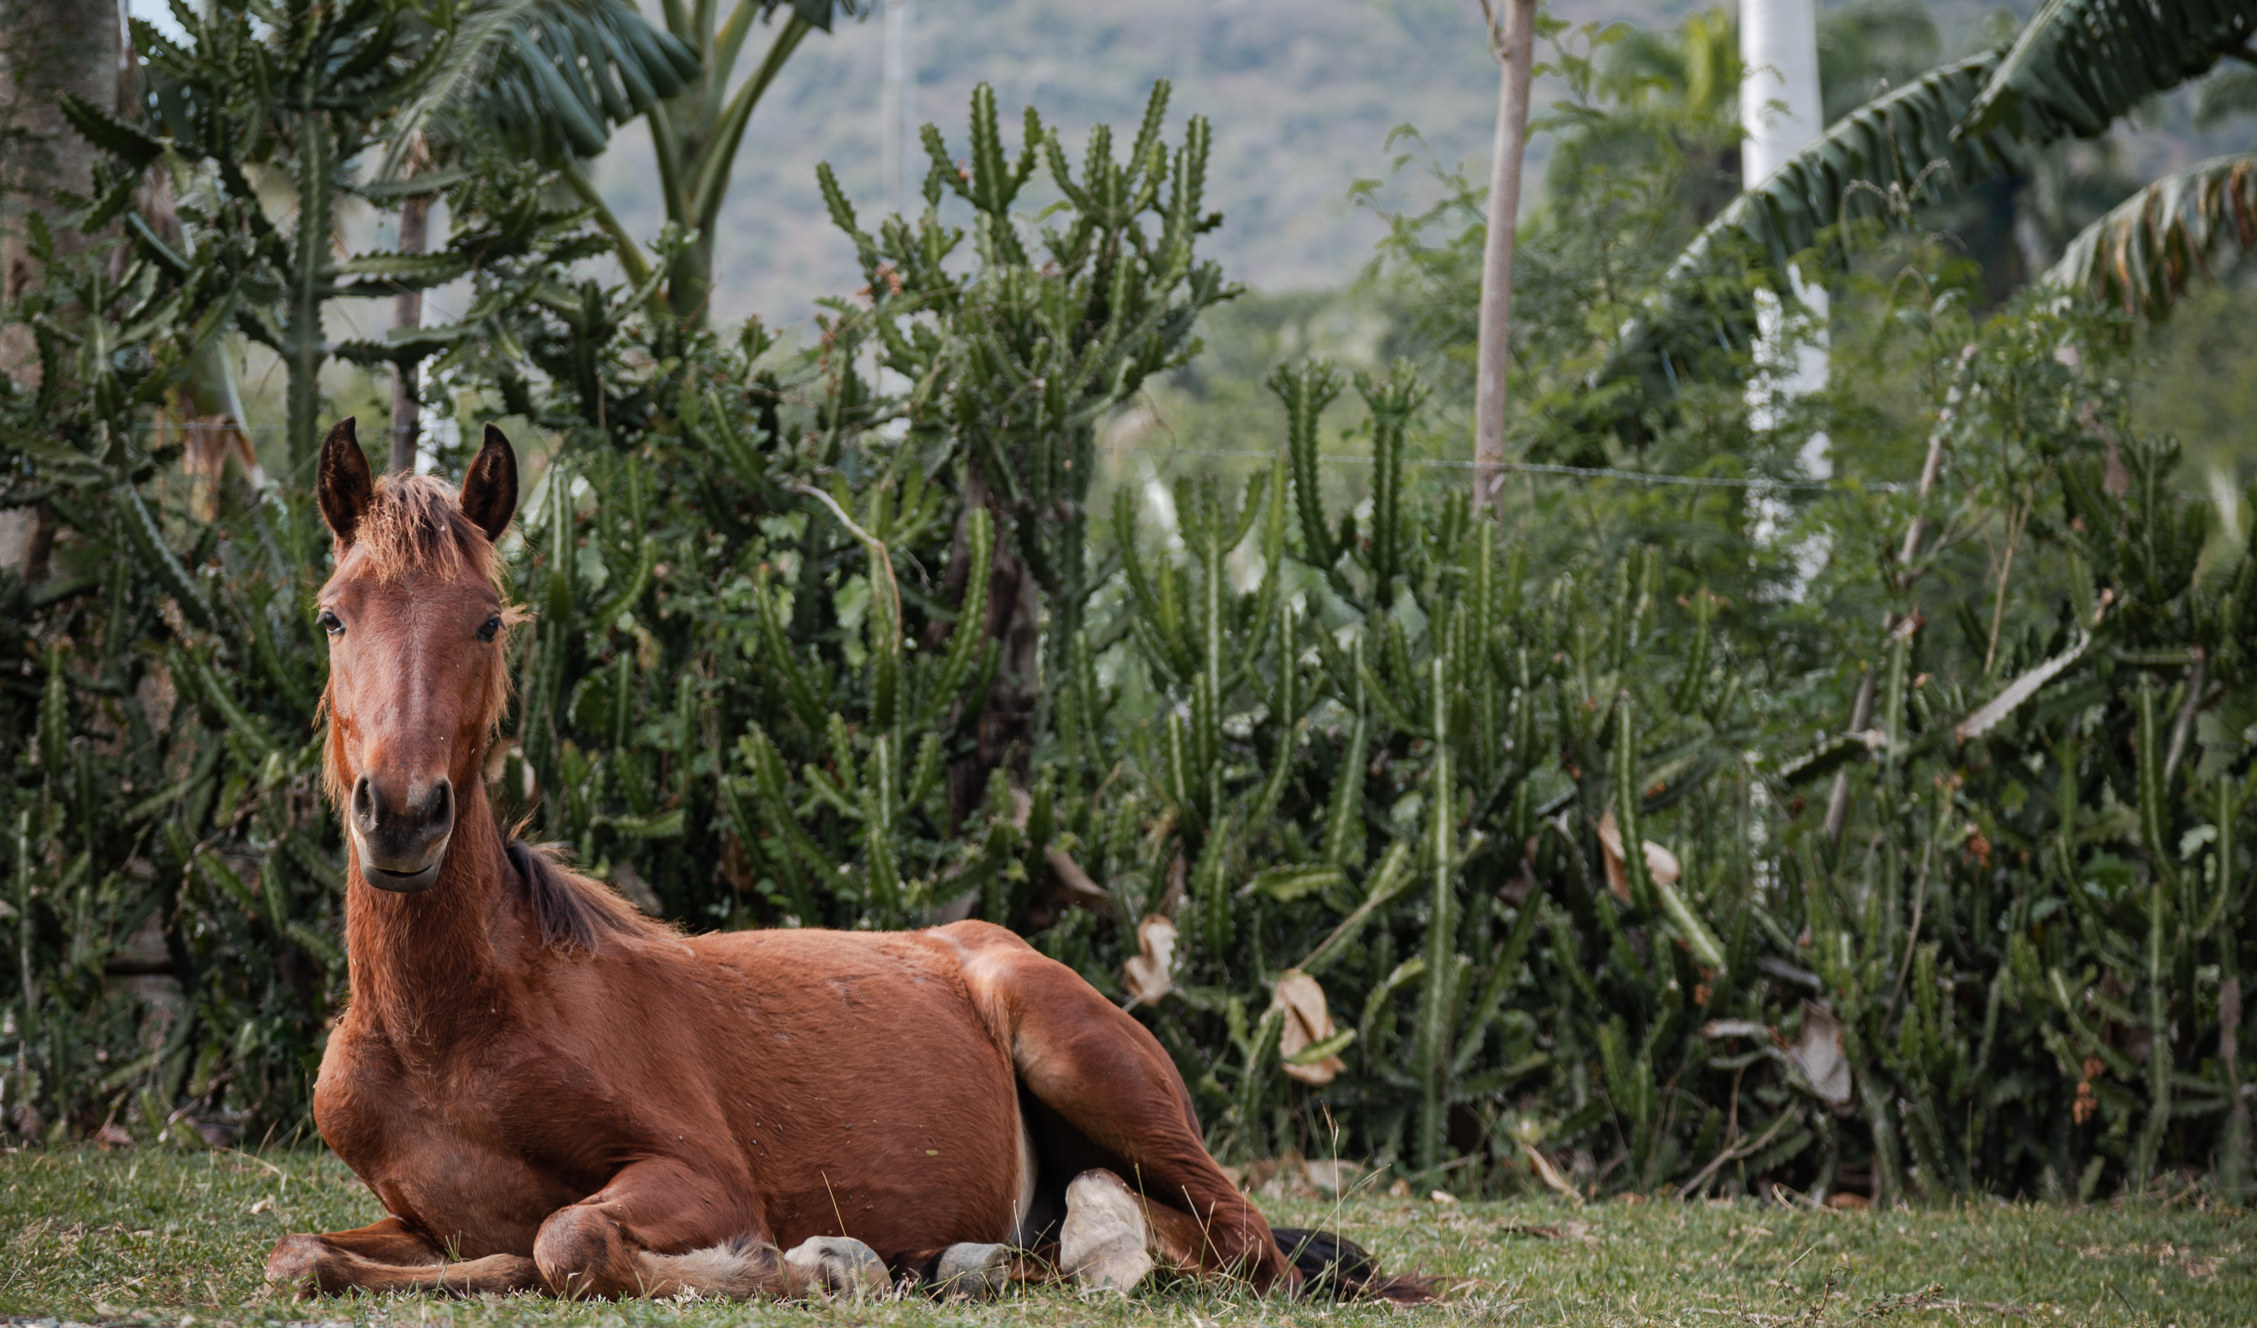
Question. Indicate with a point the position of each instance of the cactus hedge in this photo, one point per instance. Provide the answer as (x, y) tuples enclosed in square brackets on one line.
[(1412, 840)]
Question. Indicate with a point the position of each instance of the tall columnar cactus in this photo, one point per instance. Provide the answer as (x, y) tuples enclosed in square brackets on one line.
[(1018, 361), (1388, 812)]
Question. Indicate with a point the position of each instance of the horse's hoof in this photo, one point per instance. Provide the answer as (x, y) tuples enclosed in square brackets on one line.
[(841, 1266), (1105, 1243), (295, 1265), (976, 1272)]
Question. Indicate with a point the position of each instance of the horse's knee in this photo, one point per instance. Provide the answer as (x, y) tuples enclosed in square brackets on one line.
[(581, 1253), (294, 1266)]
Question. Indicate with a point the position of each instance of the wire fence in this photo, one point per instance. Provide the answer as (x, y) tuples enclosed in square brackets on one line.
[(1544, 468), (1613, 473)]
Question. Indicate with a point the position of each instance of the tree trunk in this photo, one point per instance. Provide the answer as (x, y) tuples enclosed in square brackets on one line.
[(47, 48), (901, 103), (1515, 45), (407, 312)]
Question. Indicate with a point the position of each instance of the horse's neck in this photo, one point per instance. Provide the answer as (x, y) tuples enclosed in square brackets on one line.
[(419, 963)]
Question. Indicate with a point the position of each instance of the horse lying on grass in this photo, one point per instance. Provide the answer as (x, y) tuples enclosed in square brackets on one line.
[(550, 1092)]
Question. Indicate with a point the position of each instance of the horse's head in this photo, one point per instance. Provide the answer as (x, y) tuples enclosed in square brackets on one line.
[(417, 623)]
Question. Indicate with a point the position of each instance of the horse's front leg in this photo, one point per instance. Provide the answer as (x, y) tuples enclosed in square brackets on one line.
[(389, 1257), (661, 1228)]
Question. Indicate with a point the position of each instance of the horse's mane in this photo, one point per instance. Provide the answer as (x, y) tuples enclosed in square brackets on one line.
[(574, 912)]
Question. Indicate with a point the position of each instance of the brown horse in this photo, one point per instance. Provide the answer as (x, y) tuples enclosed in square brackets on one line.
[(548, 1091)]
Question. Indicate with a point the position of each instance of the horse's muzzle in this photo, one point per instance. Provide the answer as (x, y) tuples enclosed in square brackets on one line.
[(402, 840)]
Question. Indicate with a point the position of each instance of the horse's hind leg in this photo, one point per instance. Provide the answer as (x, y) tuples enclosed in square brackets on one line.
[(661, 1228), (1110, 1081), (389, 1257)]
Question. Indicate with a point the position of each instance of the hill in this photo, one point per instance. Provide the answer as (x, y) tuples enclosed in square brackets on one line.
[(1302, 93)]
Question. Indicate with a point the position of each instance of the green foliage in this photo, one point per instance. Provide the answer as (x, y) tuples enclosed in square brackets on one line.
[(1432, 734), (823, 637), (174, 903), (1872, 165), (697, 126), (767, 589), (304, 90), (546, 78), (2075, 68)]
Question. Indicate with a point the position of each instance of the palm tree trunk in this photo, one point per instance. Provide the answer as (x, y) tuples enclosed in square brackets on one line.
[(1514, 42), (1781, 113), (407, 312), (47, 48)]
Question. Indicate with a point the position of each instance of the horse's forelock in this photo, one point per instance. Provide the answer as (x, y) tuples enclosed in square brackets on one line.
[(414, 526)]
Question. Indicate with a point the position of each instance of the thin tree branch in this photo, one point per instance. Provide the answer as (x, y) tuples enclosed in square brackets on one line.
[(878, 550), (1514, 44), (1861, 710)]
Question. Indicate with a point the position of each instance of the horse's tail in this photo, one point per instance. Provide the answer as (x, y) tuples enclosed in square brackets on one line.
[(1333, 1265)]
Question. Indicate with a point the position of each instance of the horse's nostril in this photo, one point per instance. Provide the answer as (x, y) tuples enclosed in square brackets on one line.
[(368, 806), (440, 810)]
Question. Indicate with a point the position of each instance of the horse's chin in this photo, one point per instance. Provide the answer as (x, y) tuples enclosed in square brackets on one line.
[(405, 882)]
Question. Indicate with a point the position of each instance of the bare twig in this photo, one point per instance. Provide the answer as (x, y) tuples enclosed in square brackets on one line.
[(1915, 530), (2196, 680), (877, 546), (407, 312), (1919, 903), (1734, 1154), (2015, 520)]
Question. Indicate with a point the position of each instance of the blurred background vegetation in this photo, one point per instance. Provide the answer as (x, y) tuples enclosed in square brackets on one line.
[(1083, 541)]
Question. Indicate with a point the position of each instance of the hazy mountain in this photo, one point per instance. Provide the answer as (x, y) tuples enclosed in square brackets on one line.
[(1302, 94)]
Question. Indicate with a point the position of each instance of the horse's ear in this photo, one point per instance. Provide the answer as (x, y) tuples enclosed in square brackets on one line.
[(344, 485), (489, 490)]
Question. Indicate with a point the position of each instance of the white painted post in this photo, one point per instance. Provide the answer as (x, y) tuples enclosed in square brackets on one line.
[(1780, 113)]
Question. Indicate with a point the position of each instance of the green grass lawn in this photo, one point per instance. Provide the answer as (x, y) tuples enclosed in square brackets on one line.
[(167, 1236)]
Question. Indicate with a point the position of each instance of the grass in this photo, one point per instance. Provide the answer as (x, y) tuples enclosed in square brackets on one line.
[(171, 1237)]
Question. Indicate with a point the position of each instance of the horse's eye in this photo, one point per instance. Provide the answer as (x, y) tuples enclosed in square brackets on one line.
[(331, 623), (487, 629)]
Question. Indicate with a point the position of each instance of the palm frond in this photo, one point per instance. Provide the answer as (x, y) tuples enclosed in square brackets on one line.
[(1874, 163), (2074, 68), (2144, 254), (548, 77), (2084, 63)]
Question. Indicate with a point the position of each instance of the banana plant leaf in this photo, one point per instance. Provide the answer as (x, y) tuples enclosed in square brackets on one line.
[(2084, 63), (2146, 251)]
